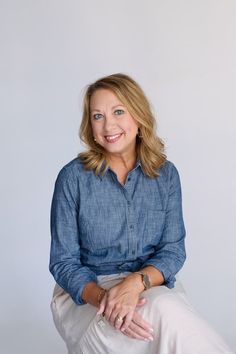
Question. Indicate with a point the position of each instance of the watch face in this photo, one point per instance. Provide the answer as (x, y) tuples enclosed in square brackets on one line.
[(146, 281)]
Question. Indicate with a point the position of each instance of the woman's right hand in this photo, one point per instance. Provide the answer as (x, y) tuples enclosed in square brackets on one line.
[(139, 328)]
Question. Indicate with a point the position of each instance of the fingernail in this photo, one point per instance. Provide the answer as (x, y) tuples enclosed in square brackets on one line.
[(148, 339), (150, 329)]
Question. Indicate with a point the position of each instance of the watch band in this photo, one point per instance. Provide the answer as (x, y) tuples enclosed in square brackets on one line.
[(145, 280)]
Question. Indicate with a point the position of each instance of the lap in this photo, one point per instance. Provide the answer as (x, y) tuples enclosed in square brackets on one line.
[(175, 322)]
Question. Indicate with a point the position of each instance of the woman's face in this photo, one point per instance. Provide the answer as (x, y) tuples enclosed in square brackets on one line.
[(113, 126)]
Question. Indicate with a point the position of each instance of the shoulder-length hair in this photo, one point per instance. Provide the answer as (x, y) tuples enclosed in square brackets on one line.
[(149, 147)]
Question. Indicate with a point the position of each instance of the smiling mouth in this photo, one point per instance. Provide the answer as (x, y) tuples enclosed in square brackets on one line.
[(113, 138)]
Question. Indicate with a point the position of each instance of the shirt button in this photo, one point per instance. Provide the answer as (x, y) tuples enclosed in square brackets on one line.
[(131, 227), (129, 178), (128, 203)]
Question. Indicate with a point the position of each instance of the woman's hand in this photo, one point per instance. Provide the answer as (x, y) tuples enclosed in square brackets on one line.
[(118, 306), (139, 328)]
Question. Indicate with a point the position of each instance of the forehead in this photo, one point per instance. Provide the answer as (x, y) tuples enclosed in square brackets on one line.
[(104, 98)]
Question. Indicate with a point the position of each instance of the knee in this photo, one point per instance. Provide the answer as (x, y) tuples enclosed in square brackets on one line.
[(171, 307)]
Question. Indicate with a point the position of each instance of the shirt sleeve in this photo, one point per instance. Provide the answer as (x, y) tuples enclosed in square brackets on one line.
[(170, 255), (65, 264)]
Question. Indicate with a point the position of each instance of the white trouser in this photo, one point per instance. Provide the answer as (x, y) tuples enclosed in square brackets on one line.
[(178, 329)]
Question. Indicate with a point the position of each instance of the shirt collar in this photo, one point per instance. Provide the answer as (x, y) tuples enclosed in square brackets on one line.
[(137, 165)]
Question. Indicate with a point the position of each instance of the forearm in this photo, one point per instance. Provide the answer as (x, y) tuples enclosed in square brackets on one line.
[(92, 293)]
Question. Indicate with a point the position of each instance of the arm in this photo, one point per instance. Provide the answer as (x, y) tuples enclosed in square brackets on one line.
[(65, 264), (170, 253)]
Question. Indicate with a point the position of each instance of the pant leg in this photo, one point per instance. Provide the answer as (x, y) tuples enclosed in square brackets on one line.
[(178, 329), (70, 319)]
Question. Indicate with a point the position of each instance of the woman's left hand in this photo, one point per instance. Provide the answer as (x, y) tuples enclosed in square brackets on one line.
[(119, 304)]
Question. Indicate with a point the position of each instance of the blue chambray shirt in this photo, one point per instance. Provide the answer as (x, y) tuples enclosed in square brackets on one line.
[(99, 226)]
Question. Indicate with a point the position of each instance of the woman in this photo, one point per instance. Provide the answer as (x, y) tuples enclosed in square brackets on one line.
[(118, 236)]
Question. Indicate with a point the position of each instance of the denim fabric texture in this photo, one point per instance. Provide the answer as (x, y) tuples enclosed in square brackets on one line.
[(99, 226)]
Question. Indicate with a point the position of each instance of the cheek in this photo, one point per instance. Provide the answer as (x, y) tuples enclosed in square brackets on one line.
[(131, 127), (132, 123), (95, 129)]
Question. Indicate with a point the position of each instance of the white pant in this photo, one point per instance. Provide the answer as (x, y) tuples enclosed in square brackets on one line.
[(178, 329)]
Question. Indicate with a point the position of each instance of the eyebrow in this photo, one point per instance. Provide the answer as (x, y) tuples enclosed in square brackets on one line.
[(98, 110), (118, 105)]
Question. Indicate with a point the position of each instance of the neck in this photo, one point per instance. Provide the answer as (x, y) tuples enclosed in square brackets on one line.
[(124, 162)]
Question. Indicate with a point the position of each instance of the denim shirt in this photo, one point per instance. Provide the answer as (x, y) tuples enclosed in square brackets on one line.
[(99, 226)]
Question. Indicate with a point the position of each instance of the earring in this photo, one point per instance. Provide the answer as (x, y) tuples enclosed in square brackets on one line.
[(94, 139), (139, 133)]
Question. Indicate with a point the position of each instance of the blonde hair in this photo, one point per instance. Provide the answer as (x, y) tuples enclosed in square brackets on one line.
[(149, 147)]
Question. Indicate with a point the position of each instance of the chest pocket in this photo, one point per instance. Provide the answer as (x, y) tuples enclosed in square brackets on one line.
[(101, 228), (155, 221)]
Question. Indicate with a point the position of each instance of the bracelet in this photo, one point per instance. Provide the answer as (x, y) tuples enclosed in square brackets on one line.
[(101, 293)]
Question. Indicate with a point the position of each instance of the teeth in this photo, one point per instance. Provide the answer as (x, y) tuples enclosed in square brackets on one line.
[(112, 137)]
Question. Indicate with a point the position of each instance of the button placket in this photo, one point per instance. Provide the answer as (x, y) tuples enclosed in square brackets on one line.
[(131, 229), (128, 192)]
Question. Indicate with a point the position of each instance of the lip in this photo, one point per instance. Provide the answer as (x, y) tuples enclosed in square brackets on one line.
[(113, 138)]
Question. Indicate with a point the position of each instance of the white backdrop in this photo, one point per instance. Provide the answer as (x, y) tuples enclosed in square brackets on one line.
[(183, 53)]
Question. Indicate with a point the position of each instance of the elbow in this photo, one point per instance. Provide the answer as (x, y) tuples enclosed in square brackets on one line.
[(181, 258), (52, 270), (55, 268)]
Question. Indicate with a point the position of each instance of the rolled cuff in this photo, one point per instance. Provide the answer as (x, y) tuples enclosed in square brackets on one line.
[(73, 283)]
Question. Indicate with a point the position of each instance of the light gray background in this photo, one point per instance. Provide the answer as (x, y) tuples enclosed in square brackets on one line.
[(183, 53)]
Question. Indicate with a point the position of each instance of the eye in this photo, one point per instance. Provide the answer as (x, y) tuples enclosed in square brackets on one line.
[(97, 116), (118, 112)]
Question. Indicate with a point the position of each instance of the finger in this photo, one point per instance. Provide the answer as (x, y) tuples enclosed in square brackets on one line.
[(119, 321), (138, 320), (142, 301), (108, 312), (129, 333), (137, 330), (127, 320), (102, 305), (116, 319), (132, 334)]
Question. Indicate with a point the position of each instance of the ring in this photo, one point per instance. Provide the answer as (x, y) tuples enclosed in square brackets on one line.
[(119, 319)]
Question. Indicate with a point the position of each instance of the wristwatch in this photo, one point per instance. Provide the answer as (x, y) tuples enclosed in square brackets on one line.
[(145, 280)]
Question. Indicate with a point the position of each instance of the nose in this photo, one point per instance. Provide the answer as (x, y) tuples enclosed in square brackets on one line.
[(109, 122)]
